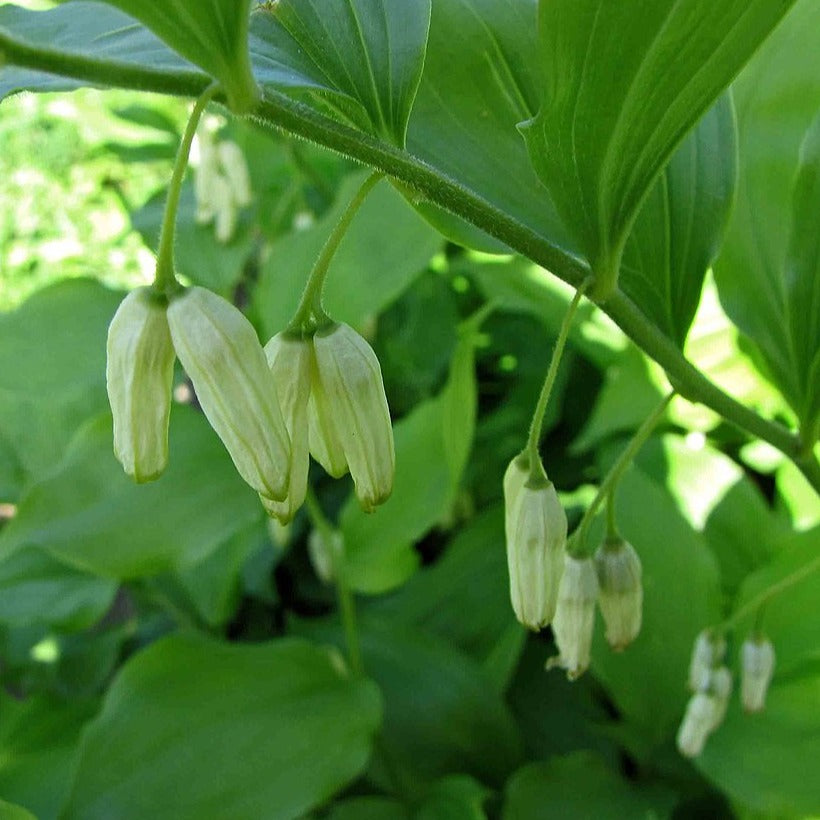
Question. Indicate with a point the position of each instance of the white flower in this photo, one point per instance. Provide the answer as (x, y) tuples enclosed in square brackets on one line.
[(757, 668), (621, 593)]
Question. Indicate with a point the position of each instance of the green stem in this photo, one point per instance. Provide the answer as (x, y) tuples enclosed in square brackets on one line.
[(165, 280), (344, 595), (576, 546), (537, 422), (279, 111), (762, 598), (310, 305), (611, 522)]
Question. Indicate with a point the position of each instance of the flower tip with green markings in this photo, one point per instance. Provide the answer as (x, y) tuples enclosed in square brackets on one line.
[(139, 375), (757, 668), (620, 591)]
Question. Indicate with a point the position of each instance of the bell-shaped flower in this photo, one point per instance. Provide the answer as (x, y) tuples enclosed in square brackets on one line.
[(707, 652), (220, 351), (536, 533), (621, 592), (696, 725), (139, 375), (719, 685), (351, 419), (290, 361), (575, 616), (757, 668), (236, 171)]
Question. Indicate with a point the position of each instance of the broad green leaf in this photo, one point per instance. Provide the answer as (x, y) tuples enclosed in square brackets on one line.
[(681, 597), (90, 515), (440, 715), (86, 28), (38, 739), (680, 225), (12, 812), (777, 97), (802, 274), (205, 729), (369, 808), (198, 255), (797, 496), (386, 247), (478, 82), (621, 86), (380, 544), (766, 761), (36, 588), (362, 58), (454, 798), (52, 370), (471, 576), (577, 785), (213, 34)]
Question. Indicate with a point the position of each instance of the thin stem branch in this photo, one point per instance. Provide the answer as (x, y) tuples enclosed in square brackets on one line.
[(763, 598), (165, 279), (344, 595), (279, 111), (611, 521), (577, 542), (311, 302), (537, 422)]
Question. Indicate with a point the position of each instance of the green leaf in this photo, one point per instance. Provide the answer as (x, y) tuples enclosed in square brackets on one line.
[(440, 715), (766, 761), (362, 58), (35, 588), (52, 370), (576, 785), (38, 739), (369, 808), (470, 577), (681, 597), (454, 798), (82, 27), (777, 97), (385, 248), (680, 225), (802, 276), (11, 812), (89, 514), (621, 87), (198, 254), (198, 729), (213, 34)]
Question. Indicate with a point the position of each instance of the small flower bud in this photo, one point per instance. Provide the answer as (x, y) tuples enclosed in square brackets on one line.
[(757, 668), (224, 209), (719, 686), (289, 359), (707, 652), (621, 594), (696, 725), (536, 534), (236, 170), (139, 375), (575, 616), (220, 351), (349, 386), (325, 549)]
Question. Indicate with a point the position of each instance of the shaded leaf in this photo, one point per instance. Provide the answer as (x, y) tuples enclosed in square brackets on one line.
[(205, 729)]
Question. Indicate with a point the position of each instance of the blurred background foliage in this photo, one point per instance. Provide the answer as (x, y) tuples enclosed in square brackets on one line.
[(134, 621)]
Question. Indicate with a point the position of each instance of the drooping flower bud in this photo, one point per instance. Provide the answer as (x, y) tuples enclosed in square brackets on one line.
[(621, 593), (139, 375), (350, 412), (220, 351), (224, 209), (536, 532), (757, 668), (236, 171), (719, 686), (707, 652), (325, 549), (696, 725), (575, 616), (289, 359)]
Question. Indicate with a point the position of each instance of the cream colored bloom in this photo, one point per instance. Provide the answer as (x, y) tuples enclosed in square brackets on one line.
[(757, 668), (220, 351), (696, 725), (621, 592), (139, 375), (707, 652)]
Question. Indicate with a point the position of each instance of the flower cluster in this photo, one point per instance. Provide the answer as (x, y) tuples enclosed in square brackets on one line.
[(548, 585), (710, 681), (270, 407)]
